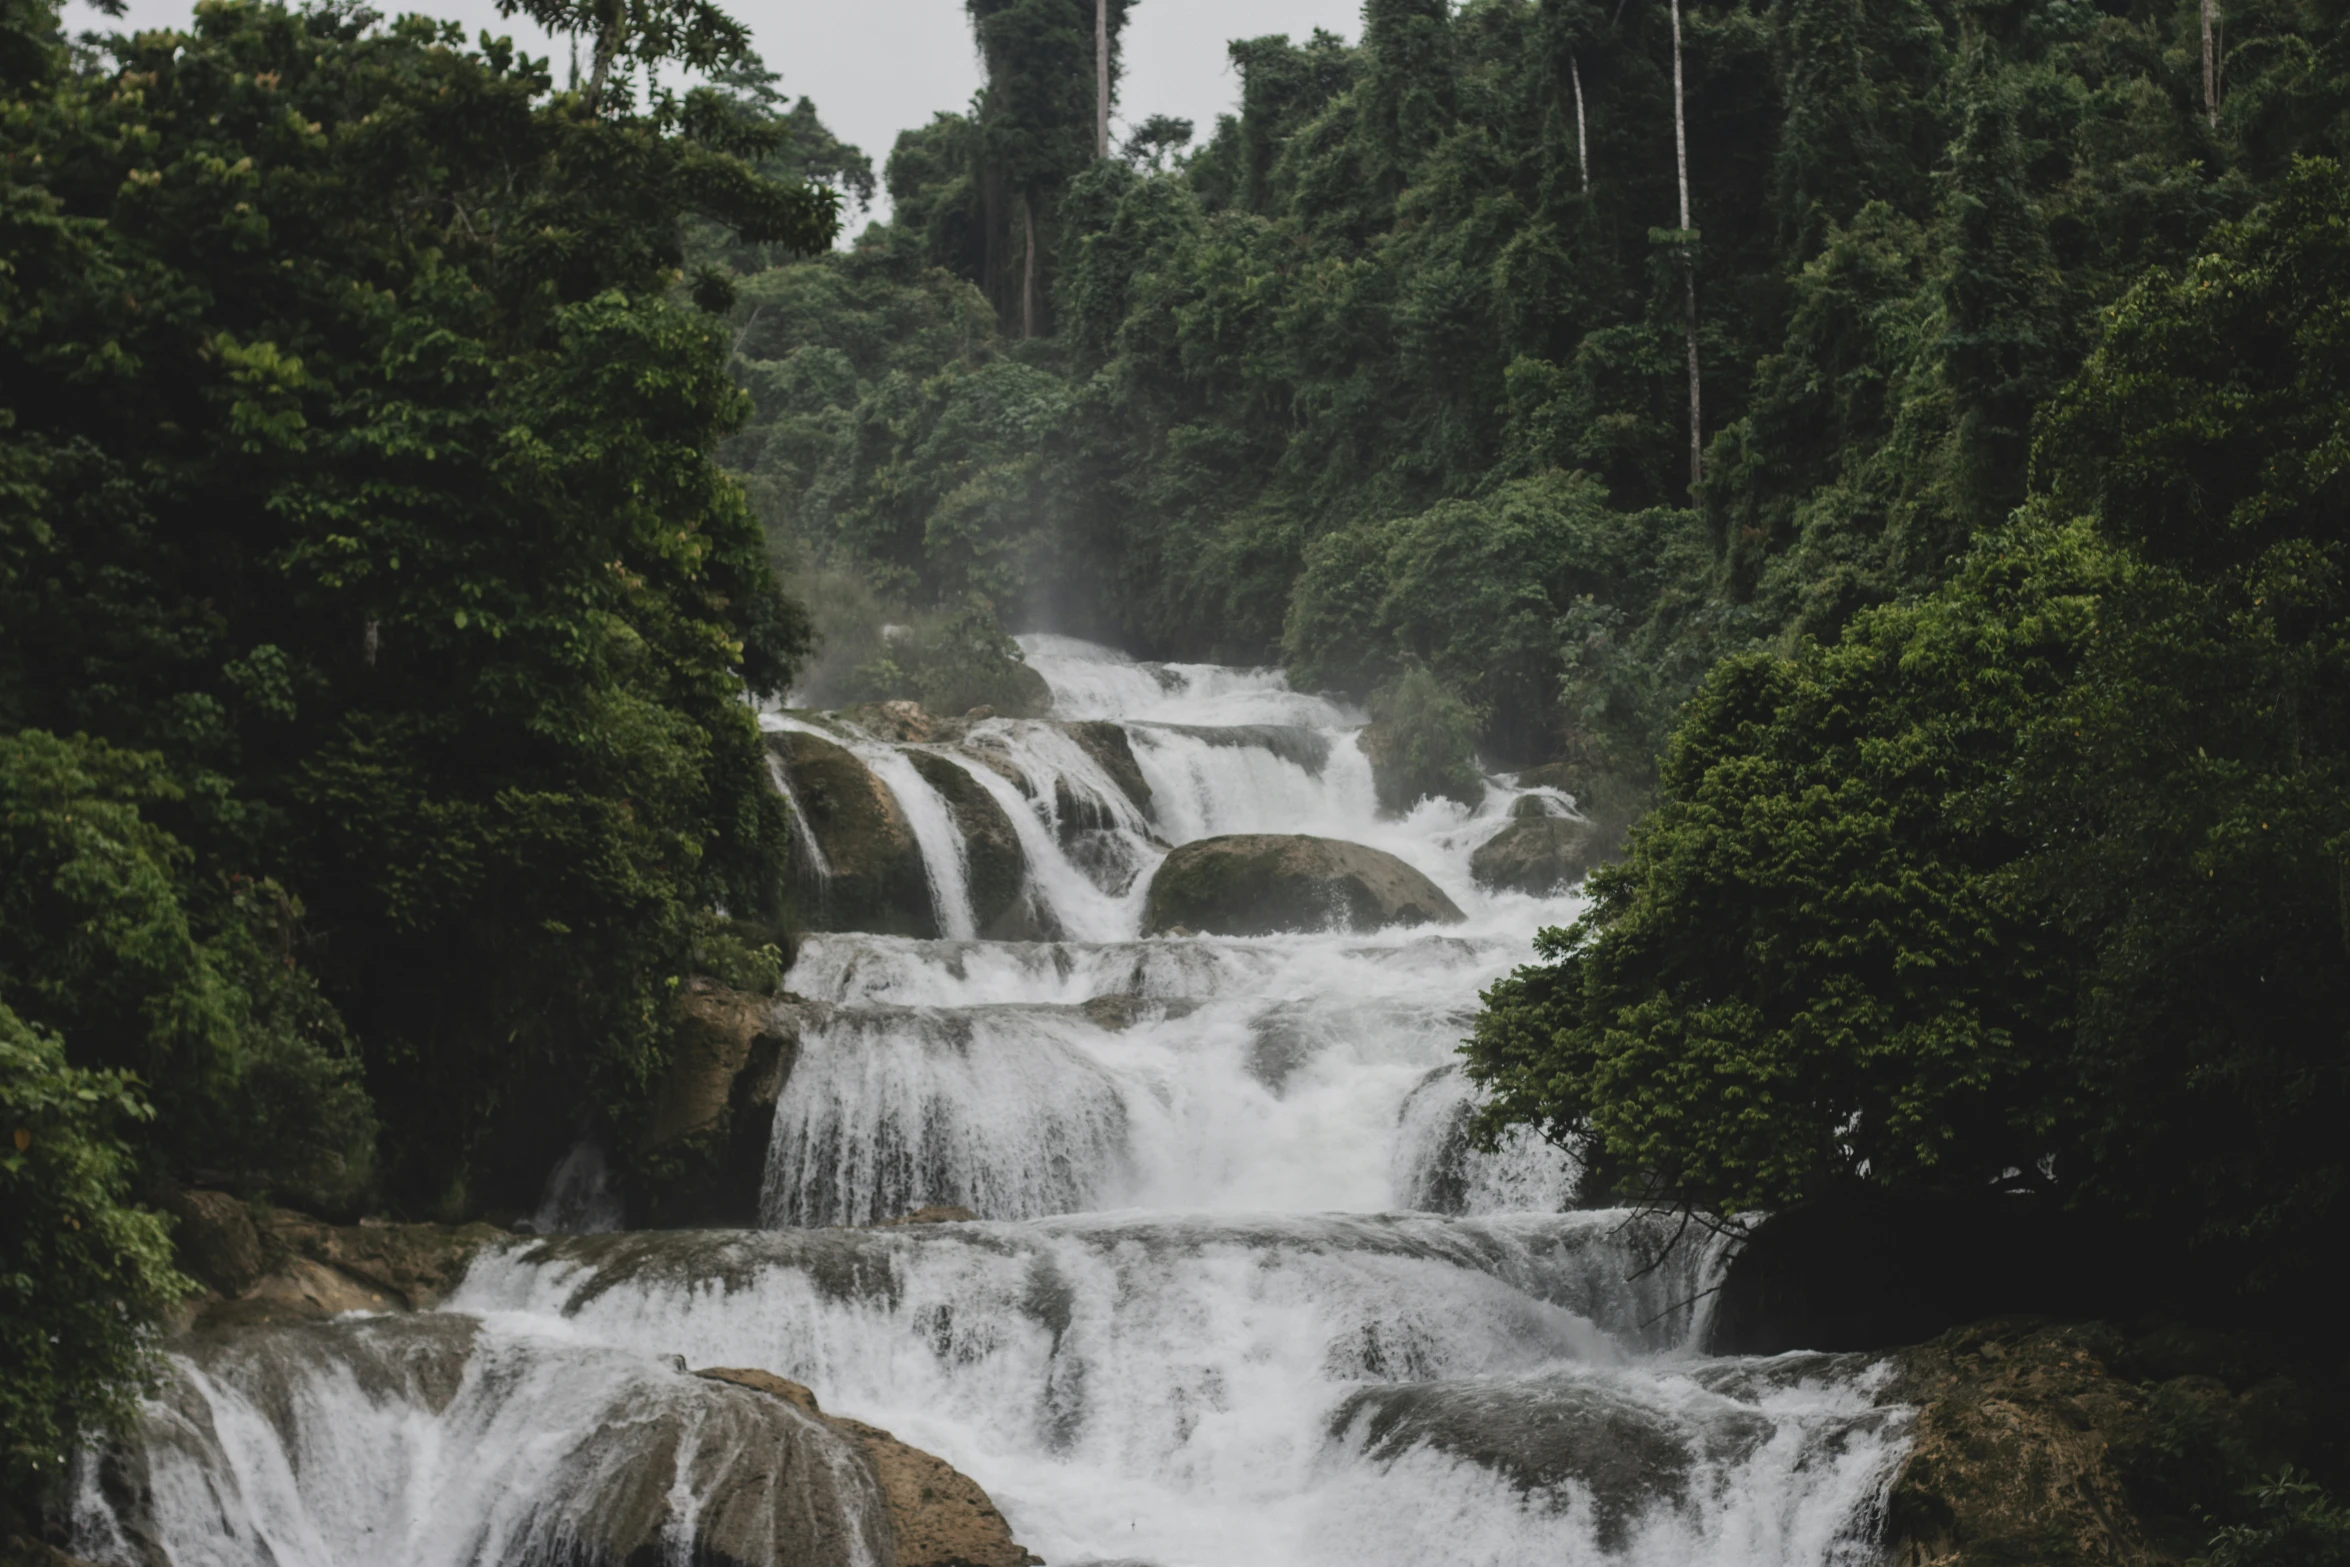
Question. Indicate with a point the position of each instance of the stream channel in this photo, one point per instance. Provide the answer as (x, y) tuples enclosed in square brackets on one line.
[(1241, 1294)]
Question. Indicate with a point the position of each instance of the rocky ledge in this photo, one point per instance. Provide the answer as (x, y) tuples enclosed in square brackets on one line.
[(2082, 1443), (265, 1265), (938, 1516), (1263, 884)]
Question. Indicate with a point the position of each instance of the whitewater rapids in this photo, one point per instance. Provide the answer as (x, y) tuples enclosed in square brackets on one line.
[(1242, 1294)]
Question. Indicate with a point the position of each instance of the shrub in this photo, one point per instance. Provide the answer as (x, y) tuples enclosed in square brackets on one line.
[(1422, 743), (82, 1272)]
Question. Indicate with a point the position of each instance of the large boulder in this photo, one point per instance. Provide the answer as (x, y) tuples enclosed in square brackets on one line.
[(1261, 884), (876, 881), (1541, 854), (215, 1239), (703, 1150), (1113, 753), (938, 1516), (997, 865), (2081, 1443), (310, 1270), (1610, 799), (633, 1462)]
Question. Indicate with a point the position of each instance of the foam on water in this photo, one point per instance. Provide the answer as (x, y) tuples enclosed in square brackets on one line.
[(1244, 1292), (1200, 1389)]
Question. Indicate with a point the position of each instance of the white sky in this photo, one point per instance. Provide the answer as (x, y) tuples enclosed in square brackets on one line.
[(876, 67)]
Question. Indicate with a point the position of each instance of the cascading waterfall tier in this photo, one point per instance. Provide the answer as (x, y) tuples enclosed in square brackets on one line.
[(1244, 1289)]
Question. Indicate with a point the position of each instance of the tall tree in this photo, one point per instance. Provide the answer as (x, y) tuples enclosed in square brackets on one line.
[(1040, 124), (1688, 247), (2210, 64)]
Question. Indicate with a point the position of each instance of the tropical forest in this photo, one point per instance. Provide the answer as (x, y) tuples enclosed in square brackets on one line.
[(1474, 819)]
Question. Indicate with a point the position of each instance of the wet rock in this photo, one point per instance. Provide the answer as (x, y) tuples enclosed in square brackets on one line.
[(1113, 753), (1120, 1013), (632, 1463), (1608, 798), (313, 1270), (23, 1551), (704, 1146), (1260, 884), (1293, 743), (1541, 855), (1553, 1434), (1031, 695), (2037, 1442), (877, 882), (905, 723), (934, 1213), (997, 866), (215, 1239), (1281, 1040), (938, 1516)]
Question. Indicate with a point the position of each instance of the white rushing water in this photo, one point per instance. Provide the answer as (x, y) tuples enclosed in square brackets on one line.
[(1242, 1294)]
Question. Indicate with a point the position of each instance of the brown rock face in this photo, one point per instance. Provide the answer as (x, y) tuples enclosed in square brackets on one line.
[(769, 1482), (2013, 1461), (705, 1143), (2038, 1442), (1260, 884), (998, 866), (312, 1269), (938, 1516), (215, 1239), (1113, 753), (877, 882), (1537, 854)]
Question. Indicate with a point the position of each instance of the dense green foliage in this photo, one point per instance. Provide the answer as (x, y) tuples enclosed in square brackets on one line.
[(82, 1272), (358, 525), (2298, 1527), (1388, 300), (1999, 846), (2043, 879)]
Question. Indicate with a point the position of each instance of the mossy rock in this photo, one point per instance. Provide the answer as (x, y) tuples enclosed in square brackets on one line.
[(702, 1153), (1031, 695), (1401, 780), (1263, 884), (1610, 800), (991, 845), (1113, 753), (877, 882), (1537, 854)]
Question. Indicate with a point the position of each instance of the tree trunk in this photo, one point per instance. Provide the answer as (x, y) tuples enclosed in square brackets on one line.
[(2210, 66), (615, 20), (1101, 78), (1582, 134), (1688, 262), (1028, 269)]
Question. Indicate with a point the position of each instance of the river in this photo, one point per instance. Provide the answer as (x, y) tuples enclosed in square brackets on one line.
[(1241, 1294)]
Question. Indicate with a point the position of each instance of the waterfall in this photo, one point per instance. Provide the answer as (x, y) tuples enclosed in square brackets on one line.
[(438, 1441), (1242, 1290), (944, 860)]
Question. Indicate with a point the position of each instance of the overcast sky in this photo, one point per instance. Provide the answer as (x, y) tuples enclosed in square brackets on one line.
[(876, 67)]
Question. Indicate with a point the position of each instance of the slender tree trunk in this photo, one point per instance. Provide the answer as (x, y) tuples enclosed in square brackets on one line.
[(1028, 269), (1101, 78), (1582, 133), (607, 49), (1688, 262), (2210, 66)]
